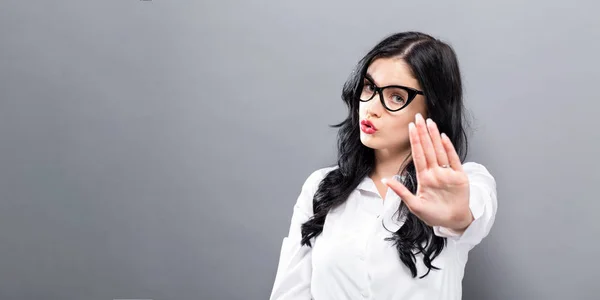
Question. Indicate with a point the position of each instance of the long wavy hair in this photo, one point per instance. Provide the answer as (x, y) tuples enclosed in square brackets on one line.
[(435, 66)]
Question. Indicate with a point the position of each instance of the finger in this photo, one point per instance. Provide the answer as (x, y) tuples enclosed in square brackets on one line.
[(453, 157), (416, 149), (440, 151), (413, 203), (426, 142)]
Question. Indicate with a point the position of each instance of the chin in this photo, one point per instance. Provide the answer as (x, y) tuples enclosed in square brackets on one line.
[(369, 141)]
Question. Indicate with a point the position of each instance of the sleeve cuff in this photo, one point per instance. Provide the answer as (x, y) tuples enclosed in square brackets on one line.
[(476, 205)]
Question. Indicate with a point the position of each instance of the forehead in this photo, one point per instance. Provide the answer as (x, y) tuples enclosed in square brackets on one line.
[(392, 71)]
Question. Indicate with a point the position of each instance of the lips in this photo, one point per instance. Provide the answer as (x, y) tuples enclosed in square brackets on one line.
[(367, 127), (368, 124)]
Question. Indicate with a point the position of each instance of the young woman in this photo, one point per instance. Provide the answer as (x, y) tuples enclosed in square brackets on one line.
[(396, 217)]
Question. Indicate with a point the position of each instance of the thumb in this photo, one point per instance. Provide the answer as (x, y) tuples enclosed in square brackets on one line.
[(413, 203)]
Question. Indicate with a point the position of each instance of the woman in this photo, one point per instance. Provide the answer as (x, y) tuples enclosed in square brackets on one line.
[(398, 214)]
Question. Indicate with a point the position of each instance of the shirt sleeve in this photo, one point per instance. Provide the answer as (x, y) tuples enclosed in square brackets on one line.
[(294, 270), (483, 204)]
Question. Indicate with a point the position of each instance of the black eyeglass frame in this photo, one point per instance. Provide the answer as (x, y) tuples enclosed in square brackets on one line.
[(412, 93)]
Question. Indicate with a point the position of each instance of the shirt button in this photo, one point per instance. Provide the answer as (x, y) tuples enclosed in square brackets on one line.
[(362, 254)]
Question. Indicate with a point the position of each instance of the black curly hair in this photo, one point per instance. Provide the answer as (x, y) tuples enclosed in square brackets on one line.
[(434, 64)]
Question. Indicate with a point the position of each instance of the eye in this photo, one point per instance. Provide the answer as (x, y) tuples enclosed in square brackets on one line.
[(398, 98), (368, 86)]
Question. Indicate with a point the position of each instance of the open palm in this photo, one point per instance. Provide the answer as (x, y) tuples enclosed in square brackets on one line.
[(442, 196)]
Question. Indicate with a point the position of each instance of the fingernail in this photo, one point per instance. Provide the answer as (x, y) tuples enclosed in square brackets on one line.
[(384, 180), (399, 178), (411, 125), (444, 135), (418, 115)]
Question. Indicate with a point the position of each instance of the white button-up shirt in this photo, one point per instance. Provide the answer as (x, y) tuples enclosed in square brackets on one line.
[(351, 260)]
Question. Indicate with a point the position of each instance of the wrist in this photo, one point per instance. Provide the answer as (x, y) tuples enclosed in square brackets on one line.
[(464, 221)]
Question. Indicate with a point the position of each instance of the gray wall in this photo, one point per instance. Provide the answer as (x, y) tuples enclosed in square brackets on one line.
[(154, 149)]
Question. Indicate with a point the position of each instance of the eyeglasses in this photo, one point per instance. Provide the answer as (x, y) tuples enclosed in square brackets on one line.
[(393, 97)]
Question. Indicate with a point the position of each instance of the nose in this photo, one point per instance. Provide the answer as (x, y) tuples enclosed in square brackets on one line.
[(374, 106)]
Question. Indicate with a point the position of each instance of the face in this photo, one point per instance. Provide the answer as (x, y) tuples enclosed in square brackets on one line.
[(391, 127)]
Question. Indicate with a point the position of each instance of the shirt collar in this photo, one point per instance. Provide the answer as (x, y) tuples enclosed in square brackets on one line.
[(367, 185), (390, 218)]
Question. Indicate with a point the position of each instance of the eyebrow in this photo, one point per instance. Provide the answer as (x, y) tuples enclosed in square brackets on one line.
[(370, 78)]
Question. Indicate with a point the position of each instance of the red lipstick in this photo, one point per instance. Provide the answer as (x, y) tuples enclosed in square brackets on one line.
[(367, 127)]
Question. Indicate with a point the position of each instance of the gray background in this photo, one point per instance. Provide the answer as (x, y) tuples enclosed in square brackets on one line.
[(154, 149)]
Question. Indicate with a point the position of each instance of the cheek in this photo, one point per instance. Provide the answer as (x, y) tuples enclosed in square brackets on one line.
[(361, 108), (398, 130)]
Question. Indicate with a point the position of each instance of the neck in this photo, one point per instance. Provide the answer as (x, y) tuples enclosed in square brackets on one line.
[(388, 163)]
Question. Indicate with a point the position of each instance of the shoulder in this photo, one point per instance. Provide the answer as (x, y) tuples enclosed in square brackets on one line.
[(304, 202), (473, 166), (479, 174), (314, 179)]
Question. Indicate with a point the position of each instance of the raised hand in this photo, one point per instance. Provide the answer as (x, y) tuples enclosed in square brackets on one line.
[(442, 197)]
